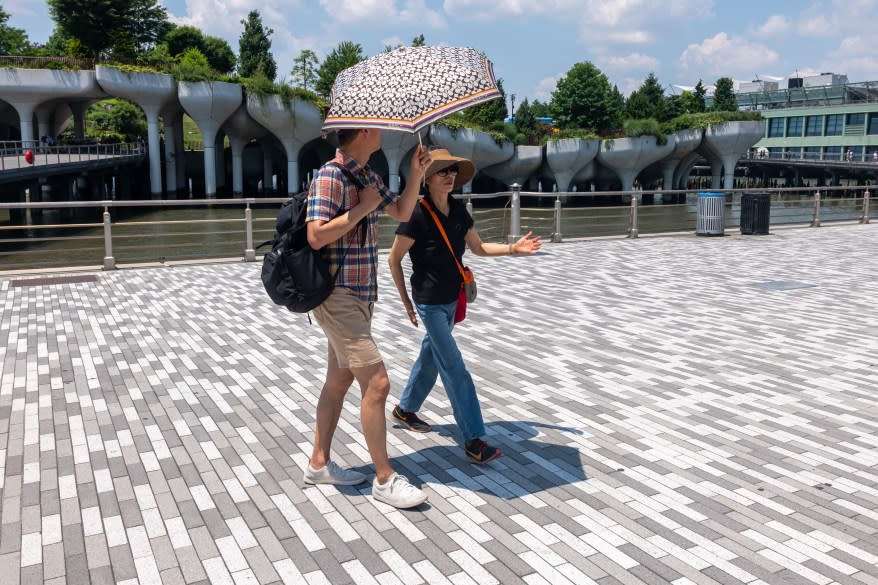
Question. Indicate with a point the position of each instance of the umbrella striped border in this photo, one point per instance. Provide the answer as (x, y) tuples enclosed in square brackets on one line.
[(338, 122)]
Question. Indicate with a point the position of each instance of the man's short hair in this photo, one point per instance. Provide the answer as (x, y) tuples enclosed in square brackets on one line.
[(345, 135)]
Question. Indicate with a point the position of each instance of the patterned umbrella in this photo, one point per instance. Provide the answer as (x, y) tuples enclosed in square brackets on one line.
[(410, 88)]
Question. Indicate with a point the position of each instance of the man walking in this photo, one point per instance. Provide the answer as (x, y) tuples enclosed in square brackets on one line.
[(343, 221)]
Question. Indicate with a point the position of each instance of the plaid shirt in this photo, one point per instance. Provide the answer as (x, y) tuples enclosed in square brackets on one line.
[(331, 194)]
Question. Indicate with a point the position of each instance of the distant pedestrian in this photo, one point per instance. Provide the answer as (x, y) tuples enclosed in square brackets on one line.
[(849, 155), (875, 156)]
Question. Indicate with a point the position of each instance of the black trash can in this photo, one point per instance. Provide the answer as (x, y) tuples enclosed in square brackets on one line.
[(755, 213)]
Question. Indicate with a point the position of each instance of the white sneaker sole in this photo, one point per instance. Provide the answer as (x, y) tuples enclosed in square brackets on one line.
[(402, 505), (330, 481)]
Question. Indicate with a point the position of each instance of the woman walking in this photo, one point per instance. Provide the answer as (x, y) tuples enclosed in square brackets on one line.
[(435, 282)]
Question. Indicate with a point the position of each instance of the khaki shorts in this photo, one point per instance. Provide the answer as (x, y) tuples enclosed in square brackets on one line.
[(347, 322)]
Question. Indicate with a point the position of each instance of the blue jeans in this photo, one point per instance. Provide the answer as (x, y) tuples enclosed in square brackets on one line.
[(440, 357)]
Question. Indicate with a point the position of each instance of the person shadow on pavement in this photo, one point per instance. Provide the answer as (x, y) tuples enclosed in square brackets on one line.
[(535, 458)]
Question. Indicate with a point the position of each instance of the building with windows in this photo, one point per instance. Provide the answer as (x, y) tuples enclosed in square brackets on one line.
[(837, 121)]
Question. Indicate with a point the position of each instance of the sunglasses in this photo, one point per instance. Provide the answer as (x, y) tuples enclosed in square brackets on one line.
[(453, 169)]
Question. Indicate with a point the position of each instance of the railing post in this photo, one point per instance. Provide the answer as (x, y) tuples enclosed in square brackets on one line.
[(515, 216), (816, 221), (469, 206), (109, 261), (249, 252), (632, 228), (865, 218), (556, 227)]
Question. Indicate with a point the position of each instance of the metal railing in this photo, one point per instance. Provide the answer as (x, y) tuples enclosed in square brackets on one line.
[(130, 232), (14, 153)]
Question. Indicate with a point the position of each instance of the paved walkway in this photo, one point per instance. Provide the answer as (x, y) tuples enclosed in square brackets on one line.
[(671, 410)]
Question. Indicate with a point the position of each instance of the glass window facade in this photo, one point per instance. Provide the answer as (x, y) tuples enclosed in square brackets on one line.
[(775, 127), (873, 124), (856, 119), (832, 153), (834, 124), (814, 126), (794, 126), (812, 152)]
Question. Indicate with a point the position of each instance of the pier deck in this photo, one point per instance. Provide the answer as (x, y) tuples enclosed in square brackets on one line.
[(671, 410)]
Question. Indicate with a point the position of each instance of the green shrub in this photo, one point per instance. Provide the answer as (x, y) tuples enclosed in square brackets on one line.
[(645, 127)]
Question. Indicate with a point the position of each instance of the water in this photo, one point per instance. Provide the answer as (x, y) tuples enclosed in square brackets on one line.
[(191, 233)]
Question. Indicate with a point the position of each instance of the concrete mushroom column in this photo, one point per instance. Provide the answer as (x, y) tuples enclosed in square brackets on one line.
[(209, 104), (293, 124), (569, 156), (395, 145), (523, 163), (477, 146), (241, 129), (685, 141), (26, 89), (150, 91), (728, 142), (172, 118), (628, 156)]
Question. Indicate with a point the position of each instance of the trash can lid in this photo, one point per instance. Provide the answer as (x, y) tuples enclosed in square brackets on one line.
[(704, 194)]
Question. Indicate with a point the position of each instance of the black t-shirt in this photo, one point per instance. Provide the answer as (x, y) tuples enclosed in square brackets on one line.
[(435, 278)]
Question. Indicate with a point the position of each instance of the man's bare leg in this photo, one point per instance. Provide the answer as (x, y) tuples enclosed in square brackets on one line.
[(374, 387), (329, 405)]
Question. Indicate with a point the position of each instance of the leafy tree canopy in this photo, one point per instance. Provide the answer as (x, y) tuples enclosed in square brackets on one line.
[(526, 122), (584, 99), (724, 99), (488, 114), (13, 41), (648, 101), (698, 96), (117, 28), (254, 48), (304, 70), (116, 117), (345, 55)]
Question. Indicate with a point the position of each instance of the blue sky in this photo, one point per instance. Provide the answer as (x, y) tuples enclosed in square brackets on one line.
[(533, 43)]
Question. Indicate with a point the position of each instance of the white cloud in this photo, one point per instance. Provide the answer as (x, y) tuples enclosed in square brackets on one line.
[(545, 87), (726, 56), (855, 58), (633, 61), (383, 11), (777, 24)]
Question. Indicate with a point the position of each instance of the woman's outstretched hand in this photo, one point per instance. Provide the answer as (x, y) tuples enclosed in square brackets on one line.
[(527, 244)]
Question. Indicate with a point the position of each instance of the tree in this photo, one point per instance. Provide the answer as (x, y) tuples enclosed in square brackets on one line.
[(13, 41), (181, 38), (254, 48), (583, 98), (57, 45), (217, 51), (120, 28), (698, 96), (648, 101), (345, 55), (418, 41), (219, 54), (525, 122), (304, 69), (724, 99), (540, 109), (116, 117), (487, 114)]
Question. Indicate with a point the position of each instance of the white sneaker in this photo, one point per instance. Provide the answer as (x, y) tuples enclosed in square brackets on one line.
[(333, 474), (398, 492)]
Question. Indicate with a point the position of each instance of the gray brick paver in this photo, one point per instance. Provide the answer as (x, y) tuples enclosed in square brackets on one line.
[(656, 356)]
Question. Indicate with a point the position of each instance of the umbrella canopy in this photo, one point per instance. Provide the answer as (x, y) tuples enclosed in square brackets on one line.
[(409, 88)]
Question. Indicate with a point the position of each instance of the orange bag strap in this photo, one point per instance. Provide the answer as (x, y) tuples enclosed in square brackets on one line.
[(444, 237)]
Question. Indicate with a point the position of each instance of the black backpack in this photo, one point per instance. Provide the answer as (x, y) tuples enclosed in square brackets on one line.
[(294, 274)]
